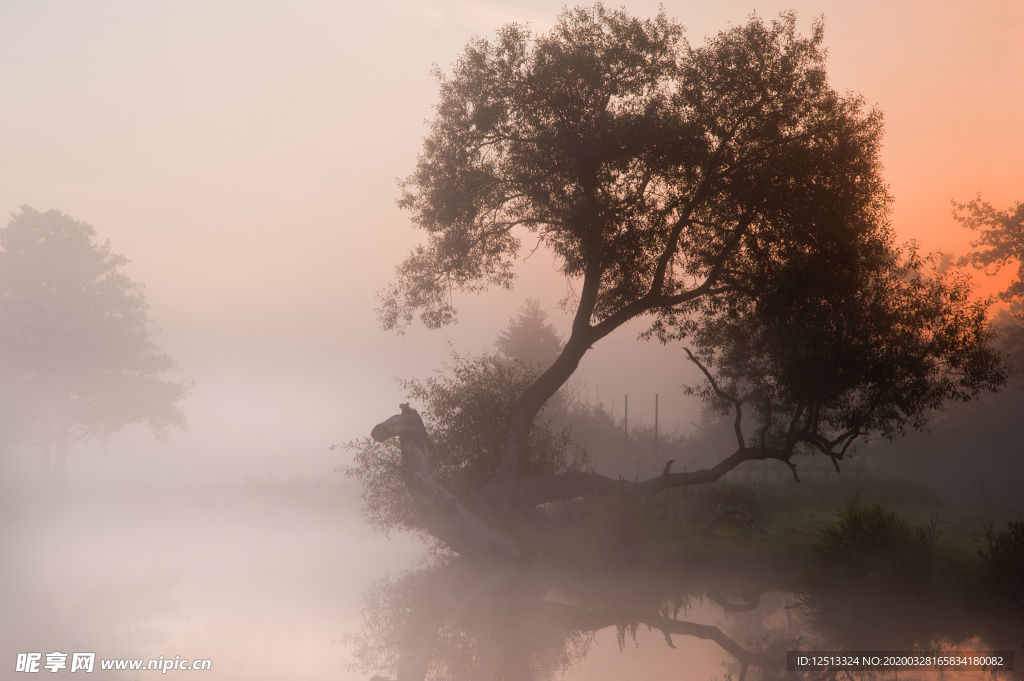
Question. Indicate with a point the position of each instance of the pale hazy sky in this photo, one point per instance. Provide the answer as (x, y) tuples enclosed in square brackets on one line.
[(243, 156)]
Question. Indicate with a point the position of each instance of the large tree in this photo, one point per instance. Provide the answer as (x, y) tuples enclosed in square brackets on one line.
[(662, 176), (725, 192), (76, 355)]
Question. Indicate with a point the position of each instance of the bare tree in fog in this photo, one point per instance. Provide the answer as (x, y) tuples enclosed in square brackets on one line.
[(76, 356), (722, 189)]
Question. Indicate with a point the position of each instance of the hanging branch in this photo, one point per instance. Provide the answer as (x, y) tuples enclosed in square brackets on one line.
[(735, 401)]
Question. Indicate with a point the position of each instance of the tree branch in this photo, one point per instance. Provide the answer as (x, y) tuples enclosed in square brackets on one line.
[(593, 619), (443, 514), (533, 491), (737, 424)]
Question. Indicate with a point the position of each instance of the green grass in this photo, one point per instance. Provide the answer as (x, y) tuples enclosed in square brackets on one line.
[(792, 518), (875, 547), (871, 563), (793, 514)]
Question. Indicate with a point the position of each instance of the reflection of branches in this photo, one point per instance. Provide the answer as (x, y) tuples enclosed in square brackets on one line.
[(493, 619), (566, 616)]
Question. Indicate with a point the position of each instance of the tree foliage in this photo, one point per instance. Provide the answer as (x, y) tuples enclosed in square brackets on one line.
[(662, 176), (1001, 242), (821, 372), (615, 142), (466, 410), (726, 193), (76, 355)]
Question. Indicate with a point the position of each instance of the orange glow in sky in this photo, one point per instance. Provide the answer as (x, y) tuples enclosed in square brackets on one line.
[(244, 155)]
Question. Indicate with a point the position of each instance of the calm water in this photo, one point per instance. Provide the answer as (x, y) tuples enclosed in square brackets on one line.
[(263, 580), (283, 581)]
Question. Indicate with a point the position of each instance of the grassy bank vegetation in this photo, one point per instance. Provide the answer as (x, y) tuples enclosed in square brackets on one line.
[(821, 532)]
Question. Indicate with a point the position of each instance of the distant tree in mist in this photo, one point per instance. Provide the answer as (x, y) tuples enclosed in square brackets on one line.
[(971, 454), (1000, 243), (530, 337), (76, 356)]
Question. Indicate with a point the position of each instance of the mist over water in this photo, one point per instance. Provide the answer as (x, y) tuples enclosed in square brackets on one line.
[(243, 158), (263, 579)]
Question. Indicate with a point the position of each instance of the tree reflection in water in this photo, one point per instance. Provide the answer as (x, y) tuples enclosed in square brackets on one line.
[(462, 618), (474, 619)]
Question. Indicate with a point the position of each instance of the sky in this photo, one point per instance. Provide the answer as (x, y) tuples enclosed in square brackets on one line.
[(244, 156)]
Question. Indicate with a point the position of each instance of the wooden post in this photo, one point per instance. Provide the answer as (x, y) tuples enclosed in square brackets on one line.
[(625, 449), (655, 427)]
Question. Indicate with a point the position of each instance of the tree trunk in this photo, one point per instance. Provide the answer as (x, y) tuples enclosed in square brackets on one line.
[(512, 502), (513, 457), (444, 516), (542, 489)]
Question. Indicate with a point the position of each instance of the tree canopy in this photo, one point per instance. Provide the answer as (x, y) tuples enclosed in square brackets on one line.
[(76, 355), (664, 177), (726, 193), (820, 375)]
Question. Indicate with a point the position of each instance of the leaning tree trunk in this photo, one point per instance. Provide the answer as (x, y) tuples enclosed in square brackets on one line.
[(442, 513), (511, 503)]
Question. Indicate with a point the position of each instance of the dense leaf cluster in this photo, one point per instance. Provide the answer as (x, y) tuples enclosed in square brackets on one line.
[(819, 370), (641, 162)]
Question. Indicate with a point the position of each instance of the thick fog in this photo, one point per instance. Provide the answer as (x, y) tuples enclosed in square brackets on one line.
[(243, 156)]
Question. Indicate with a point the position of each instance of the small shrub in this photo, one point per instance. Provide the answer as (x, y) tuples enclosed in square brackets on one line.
[(872, 544)]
